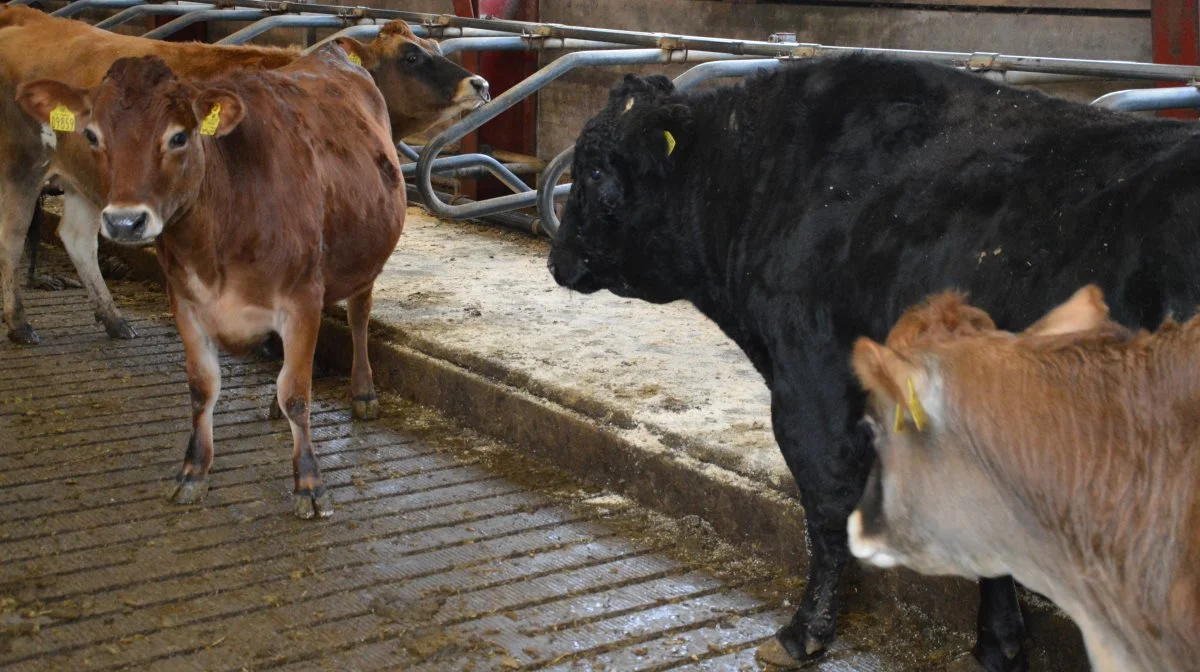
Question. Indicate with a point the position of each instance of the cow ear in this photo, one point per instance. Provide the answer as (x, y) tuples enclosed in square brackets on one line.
[(1084, 311), (62, 106), (357, 52), (892, 379), (218, 112)]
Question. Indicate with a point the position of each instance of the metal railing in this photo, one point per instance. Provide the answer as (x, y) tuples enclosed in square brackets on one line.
[(717, 57)]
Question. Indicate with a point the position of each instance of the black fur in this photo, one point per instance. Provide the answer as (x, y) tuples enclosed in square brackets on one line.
[(812, 205)]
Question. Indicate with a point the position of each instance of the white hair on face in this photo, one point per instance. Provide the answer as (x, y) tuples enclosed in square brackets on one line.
[(628, 105)]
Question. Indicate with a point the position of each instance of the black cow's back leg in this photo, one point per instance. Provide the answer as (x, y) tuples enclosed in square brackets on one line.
[(1001, 628)]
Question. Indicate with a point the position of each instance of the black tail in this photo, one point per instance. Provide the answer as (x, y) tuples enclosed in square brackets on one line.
[(33, 240)]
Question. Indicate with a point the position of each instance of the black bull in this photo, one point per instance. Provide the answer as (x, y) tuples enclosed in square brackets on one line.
[(812, 205)]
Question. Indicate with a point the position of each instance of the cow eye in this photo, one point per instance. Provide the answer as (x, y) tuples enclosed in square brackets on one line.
[(411, 58), (178, 140), (90, 136), (594, 173)]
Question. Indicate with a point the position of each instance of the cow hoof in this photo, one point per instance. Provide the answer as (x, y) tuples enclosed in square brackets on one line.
[(24, 335), (275, 412), (365, 408), (183, 491), (994, 660), (54, 283), (313, 505), (119, 329), (773, 653)]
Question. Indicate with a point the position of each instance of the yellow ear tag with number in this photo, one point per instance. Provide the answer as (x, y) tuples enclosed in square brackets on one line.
[(670, 142), (212, 121), (62, 119), (914, 407), (354, 58)]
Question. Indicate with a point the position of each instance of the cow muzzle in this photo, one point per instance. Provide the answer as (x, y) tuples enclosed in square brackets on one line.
[(571, 271), (130, 224), (473, 92)]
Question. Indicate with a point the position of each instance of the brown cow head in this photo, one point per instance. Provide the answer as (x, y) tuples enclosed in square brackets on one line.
[(420, 85), (927, 496), (141, 123)]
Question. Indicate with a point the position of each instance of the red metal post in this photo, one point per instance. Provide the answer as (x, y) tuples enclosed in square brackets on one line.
[(1175, 26)]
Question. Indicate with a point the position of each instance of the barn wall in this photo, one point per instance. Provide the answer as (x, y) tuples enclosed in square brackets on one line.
[(566, 104)]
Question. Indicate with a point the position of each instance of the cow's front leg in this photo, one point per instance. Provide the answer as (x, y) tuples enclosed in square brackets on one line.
[(815, 408), (204, 384), (364, 405), (1001, 627), (294, 393), (78, 231), (19, 191)]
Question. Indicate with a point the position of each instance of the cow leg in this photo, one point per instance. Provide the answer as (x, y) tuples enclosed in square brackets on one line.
[(18, 200), (79, 230), (829, 454), (204, 383), (295, 398), (363, 403), (1001, 627)]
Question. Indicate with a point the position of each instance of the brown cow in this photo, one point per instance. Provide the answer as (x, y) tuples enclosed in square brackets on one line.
[(268, 195), (421, 87), (1067, 456)]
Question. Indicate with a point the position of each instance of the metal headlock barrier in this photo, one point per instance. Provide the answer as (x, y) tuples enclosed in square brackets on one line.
[(596, 47)]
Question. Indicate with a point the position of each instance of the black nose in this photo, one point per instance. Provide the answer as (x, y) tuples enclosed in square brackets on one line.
[(125, 224), (571, 272)]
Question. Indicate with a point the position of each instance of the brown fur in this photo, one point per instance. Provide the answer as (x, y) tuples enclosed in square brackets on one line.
[(1090, 436)]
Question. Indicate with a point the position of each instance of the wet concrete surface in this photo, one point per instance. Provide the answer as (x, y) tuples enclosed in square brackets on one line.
[(448, 550)]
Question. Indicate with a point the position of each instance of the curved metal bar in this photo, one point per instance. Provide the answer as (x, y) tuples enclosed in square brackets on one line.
[(80, 5), (150, 10), (451, 163), (1135, 100), (366, 32), (517, 43), (701, 73), (283, 21), (504, 101), (192, 18)]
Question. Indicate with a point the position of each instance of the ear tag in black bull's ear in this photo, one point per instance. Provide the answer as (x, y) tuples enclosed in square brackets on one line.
[(212, 121), (670, 142)]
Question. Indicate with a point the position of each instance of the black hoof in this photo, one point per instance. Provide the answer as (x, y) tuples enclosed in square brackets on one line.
[(365, 407), (773, 654), (186, 490), (119, 329), (309, 504), (1000, 658), (54, 283), (24, 335)]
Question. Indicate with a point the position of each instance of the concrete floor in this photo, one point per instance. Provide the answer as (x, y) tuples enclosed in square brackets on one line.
[(448, 551)]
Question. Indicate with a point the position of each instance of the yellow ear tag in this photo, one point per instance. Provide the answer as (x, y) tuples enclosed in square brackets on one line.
[(899, 425), (354, 58), (670, 142), (62, 119), (212, 121), (914, 407)]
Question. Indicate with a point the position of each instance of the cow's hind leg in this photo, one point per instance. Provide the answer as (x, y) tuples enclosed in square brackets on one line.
[(299, 336), (79, 230), (1001, 627), (363, 403), (204, 384), (18, 199)]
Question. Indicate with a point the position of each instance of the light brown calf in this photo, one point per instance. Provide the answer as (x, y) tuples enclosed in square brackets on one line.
[(268, 195), (421, 87), (1067, 456)]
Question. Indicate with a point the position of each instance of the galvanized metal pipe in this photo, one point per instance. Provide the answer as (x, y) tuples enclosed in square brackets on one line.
[(132, 13), (517, 43), (549, 188), (367, 32), (504, 101), (174, 26), (447, 165), (81, 5), (1136, 100), (284, 21)]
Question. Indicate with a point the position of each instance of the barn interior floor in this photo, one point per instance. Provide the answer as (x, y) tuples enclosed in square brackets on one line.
[(448, 550)]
